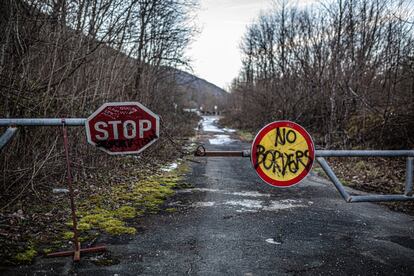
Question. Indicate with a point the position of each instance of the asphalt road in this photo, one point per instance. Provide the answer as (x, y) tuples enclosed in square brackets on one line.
[(231, 223)]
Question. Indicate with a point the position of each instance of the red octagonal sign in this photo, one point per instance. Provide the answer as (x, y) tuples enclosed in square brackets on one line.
[(122, 128)]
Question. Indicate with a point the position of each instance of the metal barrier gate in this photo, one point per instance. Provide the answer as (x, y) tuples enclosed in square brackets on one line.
[(320, 157), (12, 125), (132, 139), (6, 138)]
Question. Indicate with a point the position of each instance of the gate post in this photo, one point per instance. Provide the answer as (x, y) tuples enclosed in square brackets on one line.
[(409, 177), (7, 136)]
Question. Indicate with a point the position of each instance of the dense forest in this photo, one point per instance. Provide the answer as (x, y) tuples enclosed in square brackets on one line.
[(65, 58), (343, 69)]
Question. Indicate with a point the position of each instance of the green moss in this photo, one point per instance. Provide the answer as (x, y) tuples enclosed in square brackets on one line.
[(318, 170), (182, 169), (116, 227), (171, 210), (57, 243), (47, 250), (68, 235), (95, 200), (125, 212), (27, 255), (87, 236), (94, 219), (343, 181), (106, 261), (110, 222), (111, 209), (184, 185), (83, 226), (360, 165), (245, 135), (118, 230), (125, 201)]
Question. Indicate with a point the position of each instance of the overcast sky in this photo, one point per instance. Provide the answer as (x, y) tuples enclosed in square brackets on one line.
[(215, 51)]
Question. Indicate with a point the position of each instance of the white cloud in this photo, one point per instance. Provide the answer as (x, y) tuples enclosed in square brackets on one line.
[(215, 52)]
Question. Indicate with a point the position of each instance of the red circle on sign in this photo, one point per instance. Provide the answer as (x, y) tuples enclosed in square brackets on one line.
[(264, 131)]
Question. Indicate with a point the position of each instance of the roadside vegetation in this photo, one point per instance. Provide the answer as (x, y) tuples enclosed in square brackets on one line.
[(342, 69), (66, 58), (107, 205)]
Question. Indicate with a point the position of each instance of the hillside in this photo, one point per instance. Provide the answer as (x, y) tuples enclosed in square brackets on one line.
[(198, 92)]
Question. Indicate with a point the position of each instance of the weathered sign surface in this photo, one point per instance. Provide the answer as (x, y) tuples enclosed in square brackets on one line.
[(122, 128), (282, 153)]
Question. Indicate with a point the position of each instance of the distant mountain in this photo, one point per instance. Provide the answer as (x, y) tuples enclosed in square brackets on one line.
[(198, 92)]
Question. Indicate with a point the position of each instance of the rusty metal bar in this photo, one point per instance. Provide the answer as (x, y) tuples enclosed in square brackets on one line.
[(77, 247), (71, 195), (222, 154), (94, 249), (204, 153)]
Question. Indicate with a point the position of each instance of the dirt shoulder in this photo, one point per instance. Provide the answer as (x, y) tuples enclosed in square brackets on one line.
[(108, 201), (373, 175)]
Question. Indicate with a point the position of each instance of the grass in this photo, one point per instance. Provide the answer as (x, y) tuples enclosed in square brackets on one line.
[(113, 210), (110, 212), (27, 255), (318, 170), (245, 135)]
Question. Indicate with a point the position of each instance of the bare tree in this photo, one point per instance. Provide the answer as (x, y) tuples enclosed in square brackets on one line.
[(337, 68), (62, 58)]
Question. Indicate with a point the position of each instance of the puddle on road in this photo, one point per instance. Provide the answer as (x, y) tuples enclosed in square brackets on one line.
[(272, 241), (198, 190), (248, 194), (226, 192), (229, 130), (251, 205), (283, 204), (208, 124), (247, 203), (221, 139), (203, 204)]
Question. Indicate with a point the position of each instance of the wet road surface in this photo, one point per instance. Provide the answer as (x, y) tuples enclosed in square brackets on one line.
[(231, 223)]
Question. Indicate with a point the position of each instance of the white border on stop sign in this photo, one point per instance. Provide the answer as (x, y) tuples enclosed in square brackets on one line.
[(102, 107)]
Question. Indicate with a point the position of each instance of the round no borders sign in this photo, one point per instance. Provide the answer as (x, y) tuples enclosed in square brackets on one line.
[(282, 153)]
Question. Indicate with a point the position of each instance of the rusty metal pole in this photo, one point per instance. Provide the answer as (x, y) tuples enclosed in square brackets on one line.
[(201, 152), (77, 248), (76, 256)]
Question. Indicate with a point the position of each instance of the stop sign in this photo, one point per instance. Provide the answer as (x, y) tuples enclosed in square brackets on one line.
[(122, 128)]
